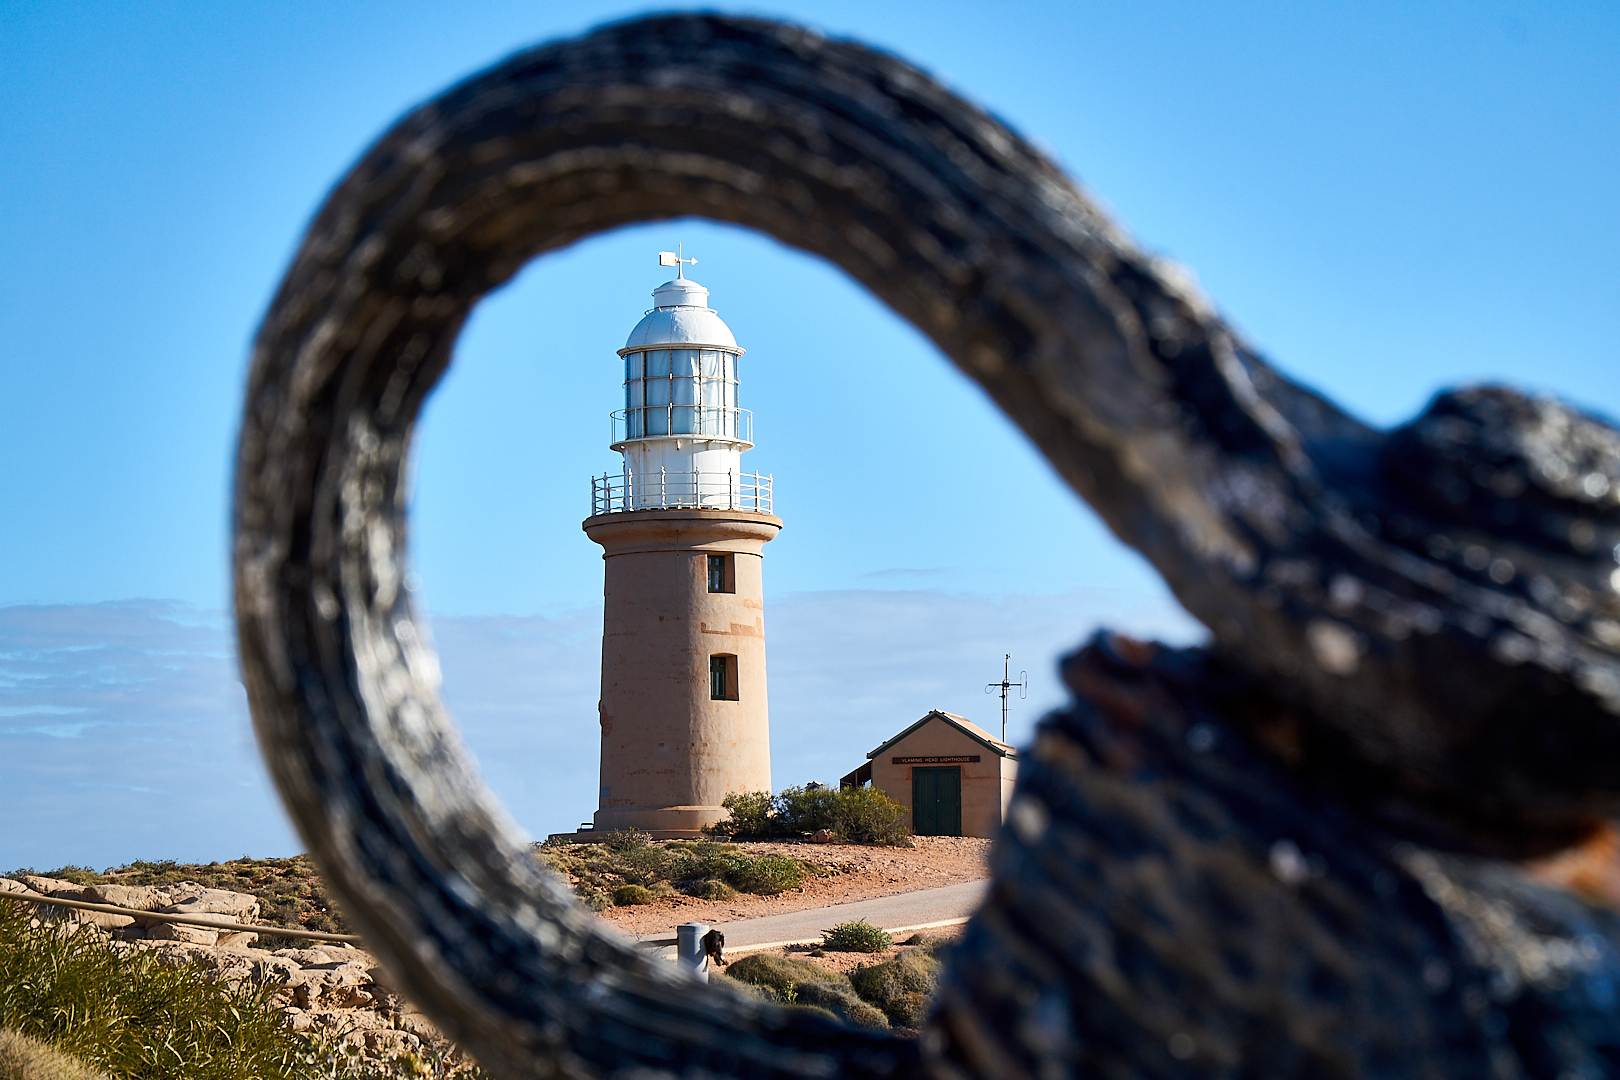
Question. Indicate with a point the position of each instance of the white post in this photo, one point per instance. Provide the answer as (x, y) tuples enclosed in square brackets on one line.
[(689, 948)]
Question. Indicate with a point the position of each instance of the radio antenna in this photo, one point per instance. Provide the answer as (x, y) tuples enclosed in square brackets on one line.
[(1006, 684)]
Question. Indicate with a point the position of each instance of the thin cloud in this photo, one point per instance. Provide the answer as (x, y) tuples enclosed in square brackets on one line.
[(125, 731)]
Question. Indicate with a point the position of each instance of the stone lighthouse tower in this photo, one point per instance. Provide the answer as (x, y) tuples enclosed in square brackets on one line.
[(682, 529)]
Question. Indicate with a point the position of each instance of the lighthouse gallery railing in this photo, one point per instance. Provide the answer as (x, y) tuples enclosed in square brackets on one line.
[(614, 493), (662, 421)]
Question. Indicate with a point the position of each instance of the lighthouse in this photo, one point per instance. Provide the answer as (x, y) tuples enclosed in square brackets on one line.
[(682, 529)]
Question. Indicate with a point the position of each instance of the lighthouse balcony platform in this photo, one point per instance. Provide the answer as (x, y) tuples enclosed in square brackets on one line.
[(697, 489)]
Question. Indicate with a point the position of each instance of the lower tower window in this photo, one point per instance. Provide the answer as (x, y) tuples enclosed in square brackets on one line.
[(723, 677)]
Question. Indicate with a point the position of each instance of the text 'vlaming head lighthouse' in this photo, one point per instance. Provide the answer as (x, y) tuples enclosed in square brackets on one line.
[(682, 530)]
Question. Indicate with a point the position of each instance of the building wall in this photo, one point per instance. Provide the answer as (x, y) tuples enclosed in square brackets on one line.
[(670, 752), (986, 784)]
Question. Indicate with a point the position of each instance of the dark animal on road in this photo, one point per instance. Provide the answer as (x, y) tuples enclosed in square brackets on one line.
[(714, 947)]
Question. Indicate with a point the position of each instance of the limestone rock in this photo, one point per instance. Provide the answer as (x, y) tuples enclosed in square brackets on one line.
[(200, 901), (47, 886), (104, 920), (139, 897), (391, 1042), (66, 890), (191, 935), (321, 955), (418, 1025)]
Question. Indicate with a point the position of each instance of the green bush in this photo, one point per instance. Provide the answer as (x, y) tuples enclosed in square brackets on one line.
[(753, 814), (857, 936), (780, 973), (704, 869), (699, 869), (841, 1001), (866, 815), (624, 840), (630, 895), (712, 889), (805, 810), (863, 815), (900, 987), (636, 858), (767, 875), (119, 1011), (801, 983)]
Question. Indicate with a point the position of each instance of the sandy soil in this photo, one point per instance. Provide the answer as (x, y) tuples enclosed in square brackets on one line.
[(853, 873)]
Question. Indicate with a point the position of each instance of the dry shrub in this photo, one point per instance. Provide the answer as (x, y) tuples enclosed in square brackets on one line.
[(900, 987)]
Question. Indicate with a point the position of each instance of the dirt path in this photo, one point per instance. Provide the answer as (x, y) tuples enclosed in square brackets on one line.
[(855, 873)]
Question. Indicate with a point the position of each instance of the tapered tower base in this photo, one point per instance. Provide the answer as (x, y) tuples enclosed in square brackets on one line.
[(683, 710)]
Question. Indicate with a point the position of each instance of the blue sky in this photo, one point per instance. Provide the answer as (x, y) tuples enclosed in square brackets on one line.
[(1388, 198)]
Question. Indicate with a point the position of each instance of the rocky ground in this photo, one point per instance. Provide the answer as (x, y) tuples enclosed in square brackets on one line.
[(338, 990), (331, 990)]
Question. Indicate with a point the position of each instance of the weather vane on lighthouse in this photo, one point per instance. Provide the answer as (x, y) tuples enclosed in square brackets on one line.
[(682, 528), (673, 258)]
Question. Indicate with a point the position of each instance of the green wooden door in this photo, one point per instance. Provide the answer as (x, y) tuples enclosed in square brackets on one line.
[(936, 800)]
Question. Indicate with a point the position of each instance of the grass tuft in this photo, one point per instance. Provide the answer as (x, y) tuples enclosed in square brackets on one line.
[(23, 1058)]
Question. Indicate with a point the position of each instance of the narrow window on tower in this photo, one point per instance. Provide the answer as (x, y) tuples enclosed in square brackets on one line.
[(721, 573), (723, 677)]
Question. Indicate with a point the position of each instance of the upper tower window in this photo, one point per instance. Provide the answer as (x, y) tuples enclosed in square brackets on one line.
[(720, 574)]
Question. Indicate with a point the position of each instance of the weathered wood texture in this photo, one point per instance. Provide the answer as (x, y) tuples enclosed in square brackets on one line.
[(1414, 632)]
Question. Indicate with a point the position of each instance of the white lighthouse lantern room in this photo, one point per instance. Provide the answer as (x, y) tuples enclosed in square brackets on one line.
[(681, 431)]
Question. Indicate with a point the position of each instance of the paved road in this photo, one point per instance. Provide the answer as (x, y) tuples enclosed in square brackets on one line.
[(907, 909)]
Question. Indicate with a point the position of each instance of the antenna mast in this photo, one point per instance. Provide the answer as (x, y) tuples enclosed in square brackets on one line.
[(1022, 686)]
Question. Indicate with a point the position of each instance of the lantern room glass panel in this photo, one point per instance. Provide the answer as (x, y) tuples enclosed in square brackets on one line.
[(680, 392)]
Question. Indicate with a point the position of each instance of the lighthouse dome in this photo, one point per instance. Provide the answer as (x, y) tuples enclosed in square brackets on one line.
[(681, 316)]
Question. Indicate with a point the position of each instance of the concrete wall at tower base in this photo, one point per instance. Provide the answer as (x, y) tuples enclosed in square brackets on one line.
[(683, 819)]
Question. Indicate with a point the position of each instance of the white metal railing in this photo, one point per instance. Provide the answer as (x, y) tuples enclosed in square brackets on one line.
[(614, 493), (679, 421)]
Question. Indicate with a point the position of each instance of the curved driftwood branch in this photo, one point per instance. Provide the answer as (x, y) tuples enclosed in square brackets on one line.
[(1431, 613)]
